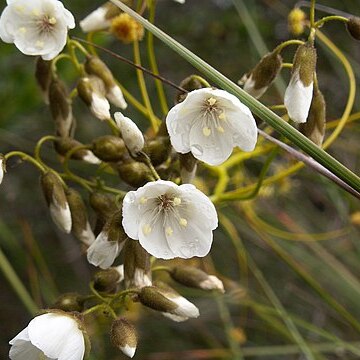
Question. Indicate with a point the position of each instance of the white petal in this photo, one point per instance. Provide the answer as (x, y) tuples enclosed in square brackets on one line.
[(128, 350), (120, 270), (91, 158), (175, 318), (95, 21), (6, 26), (185, 307), (1, 170), (87, 236), (213, 148), (102, 252), (100, 107), (116, 97), (22, 349), (58, 336), (141, 278), (298, 99), (212, 283), (249, 87), (61, 216)]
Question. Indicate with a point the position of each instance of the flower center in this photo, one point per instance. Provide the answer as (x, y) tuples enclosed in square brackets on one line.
[(166, 202), (46, 23), (214, 115)]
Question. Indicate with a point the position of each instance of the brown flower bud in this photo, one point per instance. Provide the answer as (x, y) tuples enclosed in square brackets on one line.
[(43, 75), (61, 109), (109, 148), (305, 63), (123, 335), (353, 26), (69, 302), (108, 279), (314, 128), (192, 82), (56, 199), (80, 223), (158, 149), (137, 270)]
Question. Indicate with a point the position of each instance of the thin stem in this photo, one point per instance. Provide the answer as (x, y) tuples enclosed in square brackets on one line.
[(143, 157), (57, 59), (38, 146), (161, 268), (27, 158), (284, 44), (325, 19), (312, 13)]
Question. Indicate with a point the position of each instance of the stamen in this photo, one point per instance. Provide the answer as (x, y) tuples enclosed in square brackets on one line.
[(39, 44), (143, 200), (211, 101), (183, 222), (22, 30), (52, 21), (36, 12), (206, 131), (169, 231), (222, 116), (176, 201), (220, 129), (146, 229)]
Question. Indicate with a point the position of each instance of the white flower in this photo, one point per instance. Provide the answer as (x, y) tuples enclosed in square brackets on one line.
[(49, 336), (36, 27), (170, 220), (116, 97), (131, 134), (210, 123), (298, 99)]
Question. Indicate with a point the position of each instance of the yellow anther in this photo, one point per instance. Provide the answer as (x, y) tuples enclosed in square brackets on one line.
[(220, 129), (36, 12), (176, 201), (169, 231), (146, 229), (19, 8), (206, 131), (211, 101), (52, 21), (39, 44), (183, 222), (22, 30), (143, 200), (222, 116)]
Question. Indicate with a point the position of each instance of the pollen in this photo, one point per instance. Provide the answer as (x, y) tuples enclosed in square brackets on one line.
[(211, 101), (222, 116), (206, 131), (52, 21), (176, 201), (146, 229), (183, 222), (126, 29), (220, 129), (169, 231), (143, 200)]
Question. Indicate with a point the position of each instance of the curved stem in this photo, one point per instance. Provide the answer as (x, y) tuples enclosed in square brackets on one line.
[(27, 158), (38, 146), (284, 44), (325, 19)]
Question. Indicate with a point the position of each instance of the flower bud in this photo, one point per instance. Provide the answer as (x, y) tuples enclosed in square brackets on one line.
[(137, 270), (104, 206), (132, 172), (314, 128), (168, 302), (158, 149), (64, 145), (123, 336), (92, 91), (130, 133), (126, 29), (107, 280), (196, 278), (188, 167), (298, 94), (80, 223), (2, 167), (296, 21), (69, 302), (353, 26), (192, 82), (43, 75), (56, 200), (108, 244), (257, 81), (61, 109), (100, 19), (108, 148)]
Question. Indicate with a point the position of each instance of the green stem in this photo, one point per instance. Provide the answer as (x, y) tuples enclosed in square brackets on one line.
[(312, 14), (284, 44), (27, 158), (38, 146), (16, 284), (325, 19), (257, 108)]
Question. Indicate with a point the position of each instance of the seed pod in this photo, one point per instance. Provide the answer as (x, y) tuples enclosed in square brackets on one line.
[(123, 335), (2, 167), (196, 278), (296, 21), (188, 167), (192, 82), (314, 128), (137, 270), (69, 302), (299, 92), (80, 223), (56, 200), (61, 109), (353, 26), (132, 172), (91, 90), (94, 66), (43, 75), (126, 29), (107, 280), (158, 149), (109, 148), (257, 81), (64, 145)]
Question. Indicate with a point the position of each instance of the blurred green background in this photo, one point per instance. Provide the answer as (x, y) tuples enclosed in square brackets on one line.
[(316, 281)]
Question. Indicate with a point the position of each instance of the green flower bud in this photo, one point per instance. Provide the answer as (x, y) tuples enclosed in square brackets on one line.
[(314, 128), (257, 81), (56, 199), (123, 335), (69, 302), (80, 223), (43, 75), (158, 149), (137, 270), (109, 148), (305, 63), (353, 26), (107, 280), (64, 144), (61, 109), (196, 278)]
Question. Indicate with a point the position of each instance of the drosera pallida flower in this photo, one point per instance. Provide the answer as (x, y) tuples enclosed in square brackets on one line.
[(53, 335), (210, 123), (36, 27), (169, 220)]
